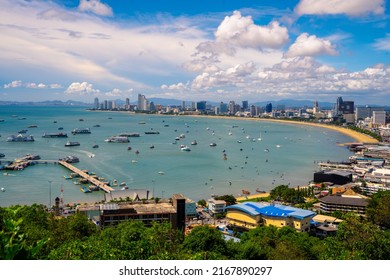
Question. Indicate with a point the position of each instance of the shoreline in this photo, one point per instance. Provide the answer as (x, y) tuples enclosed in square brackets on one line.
[(359, 137)]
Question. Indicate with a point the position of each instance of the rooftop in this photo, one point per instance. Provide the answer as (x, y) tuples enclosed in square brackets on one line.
[(335, 199), (277, 210)]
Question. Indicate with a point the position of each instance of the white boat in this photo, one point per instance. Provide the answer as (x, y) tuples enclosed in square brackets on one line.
[(161, 172), (3, 189), (194, 142), (20, 138), (213, 144), (185, 148), (117, 139)]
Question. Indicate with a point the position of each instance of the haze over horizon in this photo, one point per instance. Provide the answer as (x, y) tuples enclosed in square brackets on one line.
[(214, 50)]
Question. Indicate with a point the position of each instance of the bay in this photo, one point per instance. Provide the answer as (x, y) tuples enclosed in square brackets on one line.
[(286, 154)]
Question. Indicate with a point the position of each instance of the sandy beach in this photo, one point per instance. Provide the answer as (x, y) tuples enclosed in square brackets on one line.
[(359, 137)]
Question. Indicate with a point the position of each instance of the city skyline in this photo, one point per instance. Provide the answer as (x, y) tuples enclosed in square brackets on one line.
[(223, 50)]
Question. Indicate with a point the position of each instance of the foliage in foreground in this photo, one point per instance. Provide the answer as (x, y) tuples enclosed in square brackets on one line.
[(30, 232)]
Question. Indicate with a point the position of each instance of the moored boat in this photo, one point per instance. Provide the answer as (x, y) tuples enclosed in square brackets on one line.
[(72, 143)]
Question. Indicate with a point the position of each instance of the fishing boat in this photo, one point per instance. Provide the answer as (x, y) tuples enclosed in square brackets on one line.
[(71, 144)]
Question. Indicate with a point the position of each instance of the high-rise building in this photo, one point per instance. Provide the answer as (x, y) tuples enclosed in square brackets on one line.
[(254, 111), (344, 107), (268, 108), (223, 108), (143, 103), (363, 112), (245, 105), (96, 103), (127, 104), (379, 117), (183, 105), (232, 105), (201, 106), (316, 108)]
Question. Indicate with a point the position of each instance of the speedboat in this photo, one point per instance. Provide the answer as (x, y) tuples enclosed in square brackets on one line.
[(213, 144), (185, 148)]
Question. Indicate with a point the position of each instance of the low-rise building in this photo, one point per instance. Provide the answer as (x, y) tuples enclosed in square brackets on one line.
[(331, 203), (249, 215), (216, 206), (111, 214)]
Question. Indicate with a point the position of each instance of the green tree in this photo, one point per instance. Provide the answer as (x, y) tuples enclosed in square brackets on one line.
[(205, 242), (378, 210)]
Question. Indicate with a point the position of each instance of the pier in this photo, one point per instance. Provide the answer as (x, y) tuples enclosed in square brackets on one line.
[(90, 179)]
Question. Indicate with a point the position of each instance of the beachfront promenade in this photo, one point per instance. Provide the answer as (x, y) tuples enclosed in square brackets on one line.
[(90, 179)]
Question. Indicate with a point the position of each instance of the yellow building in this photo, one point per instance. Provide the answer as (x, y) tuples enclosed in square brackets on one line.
[(249, 215)]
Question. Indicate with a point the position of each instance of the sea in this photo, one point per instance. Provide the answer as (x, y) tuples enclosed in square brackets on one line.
[(249, 155)]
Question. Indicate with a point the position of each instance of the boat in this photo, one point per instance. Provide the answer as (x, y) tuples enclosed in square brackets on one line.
[(133, 161), (117, 139), (20, 138), (68, 177), (55, 135), (177, 138), (132, 134), (60, 128), (213, 144), (194, 142), (182, 136), (2, 155), (96, 125), (142, 123), (95, 146), (22, 131), (81, 131), (185, 148), (238, 141), (260, 191), (32, 126), (277, 146), (161, 172), (3, 189), (71, 159), (71, 144), (152, 132), (151, 147), (93, 188), (85, 190), (129, 148), (81, 120)]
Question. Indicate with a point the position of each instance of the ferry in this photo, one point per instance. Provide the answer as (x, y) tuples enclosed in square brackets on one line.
[(117, 139), (71, 144), (81, 131), (55, 135), (20, 138)]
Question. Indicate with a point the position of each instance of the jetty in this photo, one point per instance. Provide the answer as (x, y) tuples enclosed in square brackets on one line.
[(86, 176)]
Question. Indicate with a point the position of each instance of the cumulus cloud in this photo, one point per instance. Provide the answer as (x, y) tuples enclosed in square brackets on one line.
[(178, 86), (348, 7), (13, 84), (96, 7), (306, 45), (231, 77), (242, 32), (81, 88), (34, 85)]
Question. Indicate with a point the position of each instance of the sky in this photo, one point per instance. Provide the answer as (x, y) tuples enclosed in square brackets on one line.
[(215, 50)]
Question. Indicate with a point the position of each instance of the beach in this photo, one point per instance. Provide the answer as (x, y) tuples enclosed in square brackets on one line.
[(359, 137)]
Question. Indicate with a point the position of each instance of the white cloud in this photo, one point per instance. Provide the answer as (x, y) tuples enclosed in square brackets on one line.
[(348, 7), (55, 86), (178, 86), (34, 85), (81, 88), (242, 32), (96, 7), (383, 43), (13, 84), (306, 45)]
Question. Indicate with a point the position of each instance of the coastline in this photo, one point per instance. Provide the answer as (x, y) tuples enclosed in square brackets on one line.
[(359, 137)]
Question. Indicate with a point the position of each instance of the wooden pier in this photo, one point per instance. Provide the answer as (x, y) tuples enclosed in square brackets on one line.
[(90, 179)]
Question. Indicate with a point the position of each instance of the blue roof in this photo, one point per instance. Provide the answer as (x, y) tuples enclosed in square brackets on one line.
[(266, 209)]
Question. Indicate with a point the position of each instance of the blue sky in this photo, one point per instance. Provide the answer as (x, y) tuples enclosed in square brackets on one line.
[(195, 50)]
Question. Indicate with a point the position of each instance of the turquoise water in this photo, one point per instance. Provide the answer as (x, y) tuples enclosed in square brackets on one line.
[(285, 154)]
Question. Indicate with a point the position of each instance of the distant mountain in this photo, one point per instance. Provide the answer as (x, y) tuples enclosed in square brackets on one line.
[(45, 103), (291, 103)]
